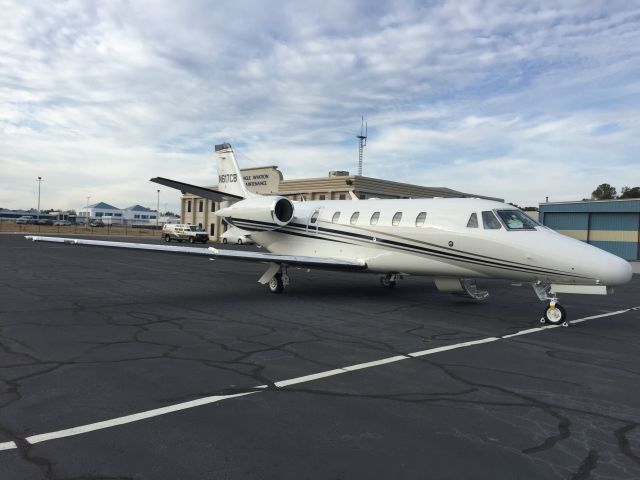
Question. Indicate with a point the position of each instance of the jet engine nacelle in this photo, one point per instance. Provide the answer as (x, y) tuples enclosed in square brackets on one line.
[(262, 213)]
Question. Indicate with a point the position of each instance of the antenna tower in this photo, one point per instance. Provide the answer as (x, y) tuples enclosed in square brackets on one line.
[(363, 142)]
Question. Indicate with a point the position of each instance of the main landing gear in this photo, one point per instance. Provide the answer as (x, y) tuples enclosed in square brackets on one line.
[(389, 280), (554, 313), (275, 278)]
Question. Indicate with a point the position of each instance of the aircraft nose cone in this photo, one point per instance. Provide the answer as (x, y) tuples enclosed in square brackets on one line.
[(615, 271)]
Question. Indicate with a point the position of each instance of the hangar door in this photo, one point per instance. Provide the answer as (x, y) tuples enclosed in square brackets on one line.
[(617, 233)]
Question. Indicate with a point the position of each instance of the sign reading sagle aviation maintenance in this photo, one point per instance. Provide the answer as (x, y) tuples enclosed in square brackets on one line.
[(455, 240)]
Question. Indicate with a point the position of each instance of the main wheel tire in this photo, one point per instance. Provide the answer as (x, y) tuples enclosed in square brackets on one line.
[(167, 238), (239, 241), (387, 283), (556, 315), (224, 240), (192, 240), (275, 284)]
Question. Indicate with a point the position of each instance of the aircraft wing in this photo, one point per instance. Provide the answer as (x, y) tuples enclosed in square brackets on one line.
[(203, 192), (240, 255)]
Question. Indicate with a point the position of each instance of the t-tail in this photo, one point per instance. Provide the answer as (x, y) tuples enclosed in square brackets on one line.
[(230, 179), (231, 187)]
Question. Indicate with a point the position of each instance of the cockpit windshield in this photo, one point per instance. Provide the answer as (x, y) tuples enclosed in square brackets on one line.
[(517, 220)]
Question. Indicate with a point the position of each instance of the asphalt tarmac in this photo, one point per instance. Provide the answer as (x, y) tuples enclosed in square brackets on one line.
[(134, 365)]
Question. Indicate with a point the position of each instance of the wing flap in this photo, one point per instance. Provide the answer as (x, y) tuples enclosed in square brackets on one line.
[(196, 190), (238, 255)]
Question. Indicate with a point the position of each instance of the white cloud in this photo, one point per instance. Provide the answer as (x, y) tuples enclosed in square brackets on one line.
[(510, 99)]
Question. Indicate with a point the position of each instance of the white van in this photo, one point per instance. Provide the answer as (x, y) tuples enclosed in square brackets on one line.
[(183, 232)]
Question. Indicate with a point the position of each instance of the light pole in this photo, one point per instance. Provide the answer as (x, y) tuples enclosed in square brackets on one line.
[(39, 183), (158, 212), (88, 219)]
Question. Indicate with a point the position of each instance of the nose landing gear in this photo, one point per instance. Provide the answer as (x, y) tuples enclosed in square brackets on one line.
[(554, 313)]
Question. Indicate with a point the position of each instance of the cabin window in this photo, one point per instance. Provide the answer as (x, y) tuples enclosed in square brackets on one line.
[(335, 218), (354, 218), (517, 220), (314, 217), (490, 221), (420, 219), (396, 219), (374, 218), (473, 221)]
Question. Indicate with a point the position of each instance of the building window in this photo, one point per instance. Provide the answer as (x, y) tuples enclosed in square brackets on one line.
[(343, 196), (335, 218), (200, 206), (213, 226), (321, 197), (117, 214), (98, 214), (374, 218), (396, 219), (136, 216), (213, 207), (152, 217), (490, 221), (362, 196), (188, 205), (420, 219), (354, 218), (144, 217), (473, 221)]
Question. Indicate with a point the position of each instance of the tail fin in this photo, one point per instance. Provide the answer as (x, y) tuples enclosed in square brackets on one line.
[(229, 176)]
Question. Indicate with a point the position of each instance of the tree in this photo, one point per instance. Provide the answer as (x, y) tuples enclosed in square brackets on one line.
[(630, 192), (604, 192)]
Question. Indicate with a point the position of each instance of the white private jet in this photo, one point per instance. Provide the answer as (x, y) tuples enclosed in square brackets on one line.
[(455, 240)]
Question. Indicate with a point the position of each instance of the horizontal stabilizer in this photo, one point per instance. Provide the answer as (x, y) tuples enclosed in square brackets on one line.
[(203, 192), (240, 255)]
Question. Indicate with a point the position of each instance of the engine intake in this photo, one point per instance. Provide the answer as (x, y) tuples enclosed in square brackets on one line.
[(259, 213)]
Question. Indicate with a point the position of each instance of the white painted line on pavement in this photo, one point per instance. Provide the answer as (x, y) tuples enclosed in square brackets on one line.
[(8, 445), (283, 383)]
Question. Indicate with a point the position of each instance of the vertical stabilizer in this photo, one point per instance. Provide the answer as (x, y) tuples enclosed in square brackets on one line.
[(229, 176)]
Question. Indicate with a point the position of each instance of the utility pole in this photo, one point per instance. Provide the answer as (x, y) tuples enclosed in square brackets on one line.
[(158, 212), (88, 216), (39, 182)]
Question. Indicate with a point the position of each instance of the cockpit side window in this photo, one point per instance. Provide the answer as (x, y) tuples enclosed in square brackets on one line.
[(473, 221), (490, 221), (517, 220)]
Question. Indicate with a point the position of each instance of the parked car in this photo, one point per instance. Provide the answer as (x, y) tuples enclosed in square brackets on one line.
[(62, 223), (96, 223), (183, 231), (236, 235), (24, 220), (44, 221)]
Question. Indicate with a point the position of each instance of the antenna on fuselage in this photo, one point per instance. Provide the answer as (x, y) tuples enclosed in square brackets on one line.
[(362, 143)]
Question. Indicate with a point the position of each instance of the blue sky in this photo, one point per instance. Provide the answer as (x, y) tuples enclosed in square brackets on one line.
[(519, 100)]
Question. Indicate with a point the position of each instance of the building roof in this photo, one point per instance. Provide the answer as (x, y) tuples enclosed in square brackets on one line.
[(103, 206), (139, 208)]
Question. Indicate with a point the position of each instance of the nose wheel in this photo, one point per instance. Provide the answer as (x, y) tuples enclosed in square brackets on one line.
[(555, 314)]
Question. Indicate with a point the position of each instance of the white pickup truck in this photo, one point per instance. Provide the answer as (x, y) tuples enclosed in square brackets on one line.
[(183, 232)]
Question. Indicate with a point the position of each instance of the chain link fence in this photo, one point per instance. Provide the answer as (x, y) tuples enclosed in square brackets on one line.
[(124, 230)]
